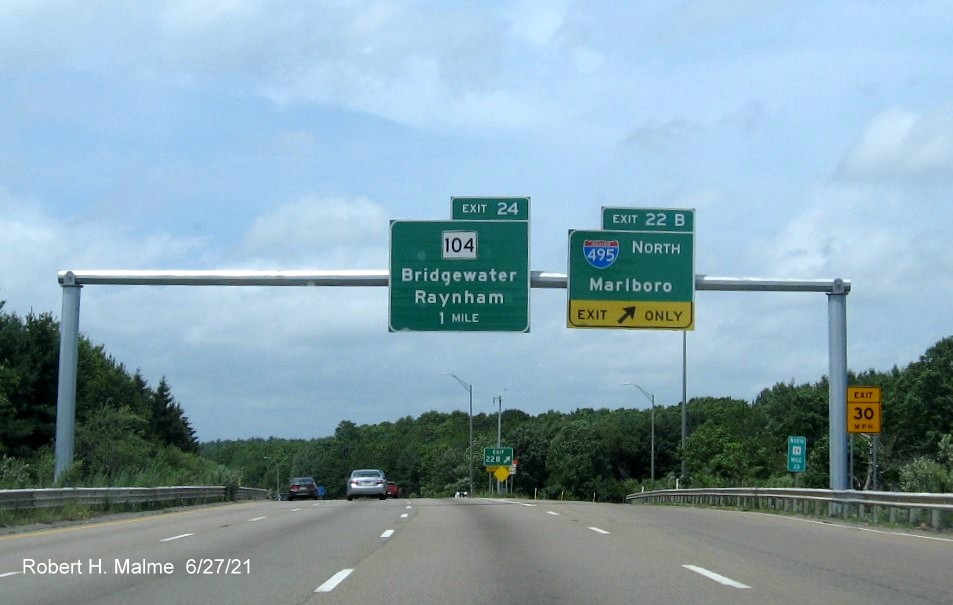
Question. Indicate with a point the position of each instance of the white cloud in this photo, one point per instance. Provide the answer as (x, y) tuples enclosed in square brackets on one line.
[(199, 16), (441, 74), (849, 231), (26, 238), (537, 21), (889, 244), (35, 245), (37, 33), (352, 232), (655, 138), (903, 143), (698, 17), (294, 143)]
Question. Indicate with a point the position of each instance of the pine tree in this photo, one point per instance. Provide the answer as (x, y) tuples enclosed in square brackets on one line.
[(169, 424)]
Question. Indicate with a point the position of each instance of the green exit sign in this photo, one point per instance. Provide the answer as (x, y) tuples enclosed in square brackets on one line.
[(496, 456), (490, 208), (637, 272), (459, 276), (670, 220), (797, 454)]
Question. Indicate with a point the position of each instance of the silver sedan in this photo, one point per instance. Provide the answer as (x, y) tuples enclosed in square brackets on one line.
[(367, 482)]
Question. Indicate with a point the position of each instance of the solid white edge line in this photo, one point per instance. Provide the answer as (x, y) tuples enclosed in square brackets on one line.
[(257, 519), (388, 533), (896, 533), (599, 531), (716, 577), (867, 529), (333, 581), (175, 537), (505, 501), (10, 573)]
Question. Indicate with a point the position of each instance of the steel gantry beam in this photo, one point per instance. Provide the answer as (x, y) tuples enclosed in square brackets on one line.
[(73, 281)]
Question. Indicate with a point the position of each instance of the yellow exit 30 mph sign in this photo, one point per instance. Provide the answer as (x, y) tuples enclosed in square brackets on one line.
[(864, 406)]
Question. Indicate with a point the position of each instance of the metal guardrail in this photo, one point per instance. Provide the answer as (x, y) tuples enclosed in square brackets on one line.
[(933, 510), (28, 499), (251, 493)]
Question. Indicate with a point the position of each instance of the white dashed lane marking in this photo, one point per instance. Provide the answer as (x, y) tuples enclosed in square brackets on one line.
[(716, 577), (334, 580), (176, 537)]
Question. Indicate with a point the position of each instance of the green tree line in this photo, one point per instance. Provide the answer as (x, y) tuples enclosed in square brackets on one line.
[(129, 433), (606, 453)]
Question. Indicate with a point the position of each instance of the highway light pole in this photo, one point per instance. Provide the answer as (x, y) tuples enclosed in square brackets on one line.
[(499, 419), (469, 388), (685, 398), (651, 397), (499, 428)]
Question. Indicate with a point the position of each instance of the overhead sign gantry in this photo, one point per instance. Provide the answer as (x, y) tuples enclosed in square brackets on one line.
[(453, 239)]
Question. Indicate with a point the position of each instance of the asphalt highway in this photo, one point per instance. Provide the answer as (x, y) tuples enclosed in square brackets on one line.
[(471, 551)]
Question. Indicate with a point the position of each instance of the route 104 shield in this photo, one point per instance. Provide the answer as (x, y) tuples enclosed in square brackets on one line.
[(600, 253)]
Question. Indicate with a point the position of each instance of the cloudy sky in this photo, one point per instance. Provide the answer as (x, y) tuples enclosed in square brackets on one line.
[(814, 140)]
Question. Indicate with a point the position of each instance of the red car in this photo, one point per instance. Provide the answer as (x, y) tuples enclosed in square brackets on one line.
[(392, 490)]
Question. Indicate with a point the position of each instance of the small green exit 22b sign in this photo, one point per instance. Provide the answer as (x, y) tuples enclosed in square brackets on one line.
[(494, 456)]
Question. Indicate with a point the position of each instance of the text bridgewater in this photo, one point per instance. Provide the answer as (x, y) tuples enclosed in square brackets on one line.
[(447, 278)]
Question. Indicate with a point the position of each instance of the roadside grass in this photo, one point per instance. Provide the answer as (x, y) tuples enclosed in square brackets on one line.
[(48, 516)]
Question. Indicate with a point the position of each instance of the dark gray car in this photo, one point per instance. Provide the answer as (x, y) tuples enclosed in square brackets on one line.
[(303, 487)]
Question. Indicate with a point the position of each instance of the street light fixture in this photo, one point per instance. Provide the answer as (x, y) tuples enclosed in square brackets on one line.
[(277, 488), (499, 428), (499, 419), (469, 388), (651, 398)]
